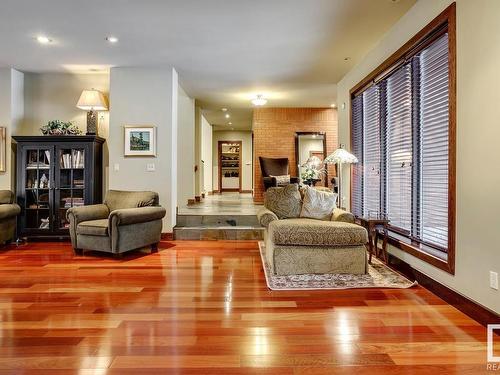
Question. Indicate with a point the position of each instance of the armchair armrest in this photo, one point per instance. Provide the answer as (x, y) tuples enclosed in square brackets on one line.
[(265, 216), (294, 180), (269, 182), (341, 215), (85, 213), (9, 210), (128, 216)]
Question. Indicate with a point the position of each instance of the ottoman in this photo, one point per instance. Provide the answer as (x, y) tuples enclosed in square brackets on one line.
[(299, 246)]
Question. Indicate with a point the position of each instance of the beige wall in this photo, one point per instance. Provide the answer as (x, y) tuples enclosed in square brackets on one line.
[(478, 132), (140, 96), (186, 145), (246, 154), (206, 155)]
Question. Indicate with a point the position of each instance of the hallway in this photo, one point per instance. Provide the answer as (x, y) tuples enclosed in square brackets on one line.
[(227, 203)]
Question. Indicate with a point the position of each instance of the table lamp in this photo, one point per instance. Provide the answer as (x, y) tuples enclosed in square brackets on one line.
[(340, 156), (92, 101)]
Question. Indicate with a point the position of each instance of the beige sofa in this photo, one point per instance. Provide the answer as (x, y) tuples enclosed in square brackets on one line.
[(296, 245), (8, 216), (127, 220)]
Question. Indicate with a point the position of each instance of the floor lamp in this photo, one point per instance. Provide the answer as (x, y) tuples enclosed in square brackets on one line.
[(340, 156)]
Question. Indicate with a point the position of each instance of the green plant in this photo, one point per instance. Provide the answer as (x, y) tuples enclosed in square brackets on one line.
[(57, 127)]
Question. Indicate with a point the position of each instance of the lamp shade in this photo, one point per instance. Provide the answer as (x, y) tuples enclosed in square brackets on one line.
[(340, 156), (92, 100)]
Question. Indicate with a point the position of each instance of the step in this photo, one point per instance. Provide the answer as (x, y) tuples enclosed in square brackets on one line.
[(211, 232), (217, 220)]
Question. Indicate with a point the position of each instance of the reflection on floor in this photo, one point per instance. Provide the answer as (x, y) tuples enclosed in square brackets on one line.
[(223, 204), (229, 216)]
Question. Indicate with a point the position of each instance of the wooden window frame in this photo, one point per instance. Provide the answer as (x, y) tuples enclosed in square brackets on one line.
[(415, 44)]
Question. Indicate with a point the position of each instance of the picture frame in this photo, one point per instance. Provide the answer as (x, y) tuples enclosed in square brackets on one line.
[(3, 149), (140, 140)]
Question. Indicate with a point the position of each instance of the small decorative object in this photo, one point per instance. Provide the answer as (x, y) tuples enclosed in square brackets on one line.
[(45, 223), (340, 156), (3, 147), (44, 182), (56, 127), (140, 141), (92, 101), (312, 170)]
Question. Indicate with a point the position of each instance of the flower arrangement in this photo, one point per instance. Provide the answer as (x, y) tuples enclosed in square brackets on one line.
[(57, 127)]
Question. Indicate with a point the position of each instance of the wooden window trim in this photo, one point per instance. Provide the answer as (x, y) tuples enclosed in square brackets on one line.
[(448, 16)]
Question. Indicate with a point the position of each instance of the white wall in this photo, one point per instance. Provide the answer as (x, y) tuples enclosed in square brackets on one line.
[(186, 148), (140, 96), (246, 154), (478, 132), (11, 115), (206, 154)]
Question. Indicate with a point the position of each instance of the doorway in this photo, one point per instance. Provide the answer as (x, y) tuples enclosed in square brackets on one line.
[(229, 161)]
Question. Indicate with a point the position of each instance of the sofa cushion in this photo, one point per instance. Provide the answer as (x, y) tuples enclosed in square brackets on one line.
[(284, 201), (116, 199), (318, 204), (309, 232), (93, 227)]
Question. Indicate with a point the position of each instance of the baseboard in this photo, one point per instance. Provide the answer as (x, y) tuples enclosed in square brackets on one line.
[(167, 236), (471, 308)]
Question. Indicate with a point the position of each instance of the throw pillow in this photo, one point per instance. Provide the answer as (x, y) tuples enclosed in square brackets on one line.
[(282, 180), (284, 201), (318, 204)]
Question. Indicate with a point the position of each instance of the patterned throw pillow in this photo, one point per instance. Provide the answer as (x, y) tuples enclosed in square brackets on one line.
[(282, 180), (318, 204), (284, 201)]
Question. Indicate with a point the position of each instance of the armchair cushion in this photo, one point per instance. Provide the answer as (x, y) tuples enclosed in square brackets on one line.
[(86, 213), (342, 216), (93, 227), (265, 216), (6, 197), (128, 216), (284, 201), (9, 210), (116, 199), (282, 180)]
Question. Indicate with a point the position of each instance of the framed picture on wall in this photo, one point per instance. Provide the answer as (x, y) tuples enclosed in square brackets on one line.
[(3, 149), (140, 140)]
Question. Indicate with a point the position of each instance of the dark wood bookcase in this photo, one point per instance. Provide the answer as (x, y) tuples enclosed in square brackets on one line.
[(54, 173)]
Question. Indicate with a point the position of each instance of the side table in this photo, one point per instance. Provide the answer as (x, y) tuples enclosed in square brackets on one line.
[(373, 225)]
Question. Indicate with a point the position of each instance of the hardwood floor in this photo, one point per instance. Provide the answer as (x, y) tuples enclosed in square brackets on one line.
[(204, 308)]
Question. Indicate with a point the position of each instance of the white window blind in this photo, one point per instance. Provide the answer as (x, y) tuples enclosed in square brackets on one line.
[(434, 129), (400, 133), (371, 150)]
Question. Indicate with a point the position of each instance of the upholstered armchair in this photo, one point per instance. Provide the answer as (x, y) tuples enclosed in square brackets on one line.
[(271, 167), (8, 214), (127, 220)]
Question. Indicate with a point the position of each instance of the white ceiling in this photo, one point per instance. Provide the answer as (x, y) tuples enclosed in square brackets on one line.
[(224, 50)]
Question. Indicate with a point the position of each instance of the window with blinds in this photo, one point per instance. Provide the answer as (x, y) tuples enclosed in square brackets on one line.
[(400, 134)]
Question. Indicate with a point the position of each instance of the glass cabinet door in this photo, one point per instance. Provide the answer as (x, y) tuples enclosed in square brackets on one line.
[(70, 182), (38, 177)]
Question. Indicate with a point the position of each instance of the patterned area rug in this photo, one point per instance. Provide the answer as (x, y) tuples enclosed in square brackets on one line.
[(379, 276)]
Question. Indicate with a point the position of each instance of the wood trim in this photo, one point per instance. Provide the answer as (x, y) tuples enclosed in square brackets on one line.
[(219, 153), (448, 16), (471, 308), (246, 191), (297, 152)]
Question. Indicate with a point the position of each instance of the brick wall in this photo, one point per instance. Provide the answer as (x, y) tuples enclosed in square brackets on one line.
[(274, 136)]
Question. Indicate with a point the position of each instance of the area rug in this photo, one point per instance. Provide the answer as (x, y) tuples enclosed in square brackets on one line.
[(379, 276)]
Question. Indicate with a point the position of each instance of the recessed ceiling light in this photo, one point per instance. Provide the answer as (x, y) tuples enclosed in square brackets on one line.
[(259, 100), (112, 39), (230, 123), (224, 109), (333, 105), (227, 115), (42, 39)]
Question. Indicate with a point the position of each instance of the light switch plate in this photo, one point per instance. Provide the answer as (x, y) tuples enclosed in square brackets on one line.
[(150, 167), (494, 280), (116, 167)]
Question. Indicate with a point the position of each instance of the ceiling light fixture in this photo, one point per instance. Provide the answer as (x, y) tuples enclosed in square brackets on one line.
[(333, 105), (230, 123), (224, 109), (227, 115), (259, 100), (112, 39), (42, 39)]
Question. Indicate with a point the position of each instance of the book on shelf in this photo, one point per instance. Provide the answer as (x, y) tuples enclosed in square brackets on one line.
[(73, 160)]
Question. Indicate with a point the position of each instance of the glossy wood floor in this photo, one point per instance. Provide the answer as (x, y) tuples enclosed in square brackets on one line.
[(204, 308)]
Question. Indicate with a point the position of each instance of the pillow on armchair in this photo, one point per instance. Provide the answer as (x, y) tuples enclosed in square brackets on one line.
[(318, 204), (284, 201), (282, 180)]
